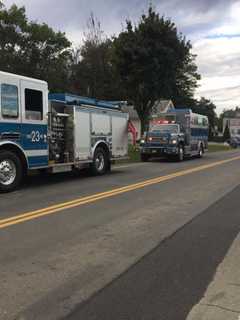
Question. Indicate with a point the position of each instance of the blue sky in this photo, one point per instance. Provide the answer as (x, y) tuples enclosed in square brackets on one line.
[(212, 26)]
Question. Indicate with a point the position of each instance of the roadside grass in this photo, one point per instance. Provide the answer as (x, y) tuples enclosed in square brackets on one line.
[(218, 147), (134, 152)]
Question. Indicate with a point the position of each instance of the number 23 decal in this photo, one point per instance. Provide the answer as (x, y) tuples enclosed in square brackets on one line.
[(35, 136)]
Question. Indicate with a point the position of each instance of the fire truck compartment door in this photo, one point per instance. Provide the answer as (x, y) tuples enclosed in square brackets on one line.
[(82, 135)]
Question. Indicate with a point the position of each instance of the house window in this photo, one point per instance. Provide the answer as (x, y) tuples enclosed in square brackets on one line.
[(33, 104), (9, 101)]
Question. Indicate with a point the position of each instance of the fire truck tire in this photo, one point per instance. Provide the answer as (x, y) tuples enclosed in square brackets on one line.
[(100, 163), (180, 155), (11, 171), (144, 157), (200, 151)]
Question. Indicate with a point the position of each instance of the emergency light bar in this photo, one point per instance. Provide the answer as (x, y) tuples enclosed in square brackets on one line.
[(163, 122)]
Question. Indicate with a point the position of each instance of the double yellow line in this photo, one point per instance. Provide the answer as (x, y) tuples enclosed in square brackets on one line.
[(4, 223)]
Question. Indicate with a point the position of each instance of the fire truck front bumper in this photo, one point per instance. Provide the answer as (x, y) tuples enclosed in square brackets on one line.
[(159, 151)]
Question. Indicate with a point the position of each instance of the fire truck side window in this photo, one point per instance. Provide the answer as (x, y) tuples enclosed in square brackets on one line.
[(33, 104), (9, 101)]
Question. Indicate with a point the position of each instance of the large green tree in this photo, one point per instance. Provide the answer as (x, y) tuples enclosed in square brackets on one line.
[(93, 73), (154, 62), (33, 49)]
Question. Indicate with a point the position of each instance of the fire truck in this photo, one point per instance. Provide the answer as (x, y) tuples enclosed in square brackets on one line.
[(56, 132), (178, 134)]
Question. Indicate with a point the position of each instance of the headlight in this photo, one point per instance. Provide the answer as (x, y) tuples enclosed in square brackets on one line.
[(142, 141), (174, 141)]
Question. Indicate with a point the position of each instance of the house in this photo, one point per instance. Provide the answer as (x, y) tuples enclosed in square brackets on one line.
[(160, 106), (233, 125)]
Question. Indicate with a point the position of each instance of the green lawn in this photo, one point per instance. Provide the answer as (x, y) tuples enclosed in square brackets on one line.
[(134, 154), (218, 147)]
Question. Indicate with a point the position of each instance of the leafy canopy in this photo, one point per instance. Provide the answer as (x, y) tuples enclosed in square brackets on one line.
[(154, 62), (32, 49), (93, 72)]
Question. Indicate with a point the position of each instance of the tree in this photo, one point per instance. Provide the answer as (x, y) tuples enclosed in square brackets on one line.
[(13, 23), (32, 49), (94, 74), (226, 134), (206, 108), (154, 62)]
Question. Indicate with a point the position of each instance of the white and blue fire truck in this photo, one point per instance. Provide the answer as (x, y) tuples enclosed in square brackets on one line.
[(57, 132), (177, 134)]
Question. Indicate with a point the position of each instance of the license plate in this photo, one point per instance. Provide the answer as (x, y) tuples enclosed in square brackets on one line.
[(154, 151)]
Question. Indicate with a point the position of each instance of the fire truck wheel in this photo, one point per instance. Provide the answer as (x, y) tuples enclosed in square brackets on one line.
[(200, 151), (100, 163), (11, 171), (180, 155), (144, 157)]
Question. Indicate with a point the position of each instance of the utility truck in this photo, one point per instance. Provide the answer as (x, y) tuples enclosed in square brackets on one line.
[(177, 134), (56, 132)]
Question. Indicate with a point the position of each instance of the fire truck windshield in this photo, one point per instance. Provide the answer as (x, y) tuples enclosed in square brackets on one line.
[(165, 128)]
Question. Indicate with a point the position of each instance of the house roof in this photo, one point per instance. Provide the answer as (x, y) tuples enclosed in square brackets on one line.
[(160, 106)]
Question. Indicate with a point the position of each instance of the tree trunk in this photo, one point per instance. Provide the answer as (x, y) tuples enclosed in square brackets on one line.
[(144, 123)]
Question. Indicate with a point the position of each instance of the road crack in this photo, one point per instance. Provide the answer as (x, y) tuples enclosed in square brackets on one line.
[(220, 307)]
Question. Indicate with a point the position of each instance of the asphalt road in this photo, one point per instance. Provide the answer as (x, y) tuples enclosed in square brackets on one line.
[(149, 236), (170, 280)]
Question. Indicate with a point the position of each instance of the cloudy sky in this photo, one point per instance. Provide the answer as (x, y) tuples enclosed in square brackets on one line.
[(212, 25)]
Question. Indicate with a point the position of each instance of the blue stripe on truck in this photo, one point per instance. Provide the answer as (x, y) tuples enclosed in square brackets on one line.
[(25, 141)]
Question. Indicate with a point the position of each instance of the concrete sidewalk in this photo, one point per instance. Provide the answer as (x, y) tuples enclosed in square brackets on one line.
[(222, 298)]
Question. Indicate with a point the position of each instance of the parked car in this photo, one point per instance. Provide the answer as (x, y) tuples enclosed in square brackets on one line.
[(234, 142)]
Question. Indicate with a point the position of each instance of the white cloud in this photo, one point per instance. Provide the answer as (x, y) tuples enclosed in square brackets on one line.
[(231, 24), (219, 62), (224, 98)]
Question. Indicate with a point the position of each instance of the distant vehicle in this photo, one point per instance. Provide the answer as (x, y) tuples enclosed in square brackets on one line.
[(234, 142), (177, 134), (57, 134)]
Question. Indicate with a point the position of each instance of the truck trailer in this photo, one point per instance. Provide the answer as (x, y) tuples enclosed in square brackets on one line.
[(178, 134), (56, 132)]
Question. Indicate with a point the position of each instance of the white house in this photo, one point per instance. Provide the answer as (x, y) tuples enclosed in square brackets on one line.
[(233, 125)]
